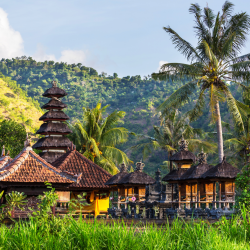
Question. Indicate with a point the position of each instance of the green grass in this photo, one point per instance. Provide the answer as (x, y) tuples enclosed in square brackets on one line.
[(67, 233)]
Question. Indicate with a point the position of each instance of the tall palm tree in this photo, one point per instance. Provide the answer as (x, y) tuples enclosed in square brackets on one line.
[(96, 137), (167, 136), (212, 63)]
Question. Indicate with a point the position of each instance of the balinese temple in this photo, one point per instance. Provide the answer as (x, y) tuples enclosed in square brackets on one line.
[(130, 184), (54, 143), (196, 189), (224, 174), (28, 172)]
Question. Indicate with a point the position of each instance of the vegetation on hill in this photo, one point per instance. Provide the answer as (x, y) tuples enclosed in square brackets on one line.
[(17, 106), (136, 96)]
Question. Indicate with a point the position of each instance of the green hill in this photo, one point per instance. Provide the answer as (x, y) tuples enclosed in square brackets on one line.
[(85, 87), (16, 105)]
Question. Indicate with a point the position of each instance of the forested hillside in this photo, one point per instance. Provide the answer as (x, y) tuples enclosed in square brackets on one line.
[(15, 105), (135, 95)]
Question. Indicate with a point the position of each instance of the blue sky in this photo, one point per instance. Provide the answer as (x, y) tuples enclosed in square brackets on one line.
[(122, 36)]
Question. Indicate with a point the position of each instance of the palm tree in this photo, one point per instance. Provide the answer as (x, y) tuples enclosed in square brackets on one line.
[(212, 64), (167, 136), (96, 137)]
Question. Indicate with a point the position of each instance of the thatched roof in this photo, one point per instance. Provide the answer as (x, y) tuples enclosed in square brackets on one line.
[(54, 103), (52, 142), (175, 174), (222, 170), (183, 155), (54, 115), (137, 177), (195, 172), (51, 128), (114, 180), (93, 176), (54, 92)]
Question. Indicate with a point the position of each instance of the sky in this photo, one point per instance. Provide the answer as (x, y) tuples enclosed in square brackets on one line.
[(122, 36)]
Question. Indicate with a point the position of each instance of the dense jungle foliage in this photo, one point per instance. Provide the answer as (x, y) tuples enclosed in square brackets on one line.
[(135, 95)]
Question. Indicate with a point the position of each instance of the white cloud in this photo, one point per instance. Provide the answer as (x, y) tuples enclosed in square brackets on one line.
[(41, 55), (73, 56), (11, 42), (160, 64), (12, 45)]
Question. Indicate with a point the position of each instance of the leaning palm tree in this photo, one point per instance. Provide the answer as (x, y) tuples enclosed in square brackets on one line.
[(212, 64), (96, 137), (167, 136)]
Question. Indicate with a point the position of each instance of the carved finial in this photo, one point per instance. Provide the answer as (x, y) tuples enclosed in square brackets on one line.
[(8, 153), (123, 167), (139, 166), (158, 175), (202, 157), (54, 84), (183, 144), (27, 141), (3, 151)]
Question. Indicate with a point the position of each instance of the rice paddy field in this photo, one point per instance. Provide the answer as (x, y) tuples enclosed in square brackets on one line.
[(69, 233)]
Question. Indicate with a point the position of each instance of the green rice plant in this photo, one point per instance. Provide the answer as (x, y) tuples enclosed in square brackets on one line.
[(68, 233)]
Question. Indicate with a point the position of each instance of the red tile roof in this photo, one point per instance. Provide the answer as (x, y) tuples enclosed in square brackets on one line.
[(4, 160), (93, 176), (30, 167)]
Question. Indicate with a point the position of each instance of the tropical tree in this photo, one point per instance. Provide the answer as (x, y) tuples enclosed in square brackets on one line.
[(96, 137), (167, 136), (212, 63)]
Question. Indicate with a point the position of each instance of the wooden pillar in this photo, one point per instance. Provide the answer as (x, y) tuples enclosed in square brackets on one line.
[(191, 198), (214, 195), (126, 195), (179, 198), (219, 194), (118, 199), (172, 195), (198, 196)]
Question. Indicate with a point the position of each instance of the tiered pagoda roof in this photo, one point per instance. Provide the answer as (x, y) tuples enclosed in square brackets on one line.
[(93, 176), (114, 180), (54, 144), (137, 177), (28, 167)]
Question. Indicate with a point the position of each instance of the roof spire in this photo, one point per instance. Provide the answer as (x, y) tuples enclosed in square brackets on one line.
[(202, 157), (27, 141), (183, 144), (139, 166), (123, 167), (8, 153), (3, 151), (54, 84)]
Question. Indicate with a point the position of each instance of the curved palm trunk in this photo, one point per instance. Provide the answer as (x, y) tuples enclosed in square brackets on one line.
[(219, 132)]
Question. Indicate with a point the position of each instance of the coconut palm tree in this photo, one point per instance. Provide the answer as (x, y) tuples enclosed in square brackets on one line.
[(96, 137), (167, 136), (212, 63)]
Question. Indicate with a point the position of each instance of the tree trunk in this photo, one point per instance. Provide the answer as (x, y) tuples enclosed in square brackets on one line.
[(171, 163), (219, 132)]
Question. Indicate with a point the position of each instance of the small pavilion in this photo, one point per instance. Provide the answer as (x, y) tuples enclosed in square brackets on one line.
[(183, 160), (224, 174), (130, 184)]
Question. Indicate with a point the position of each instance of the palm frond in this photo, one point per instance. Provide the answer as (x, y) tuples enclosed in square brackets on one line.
[(182, 45), (208, 17), (179, 97), (114, 136)]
